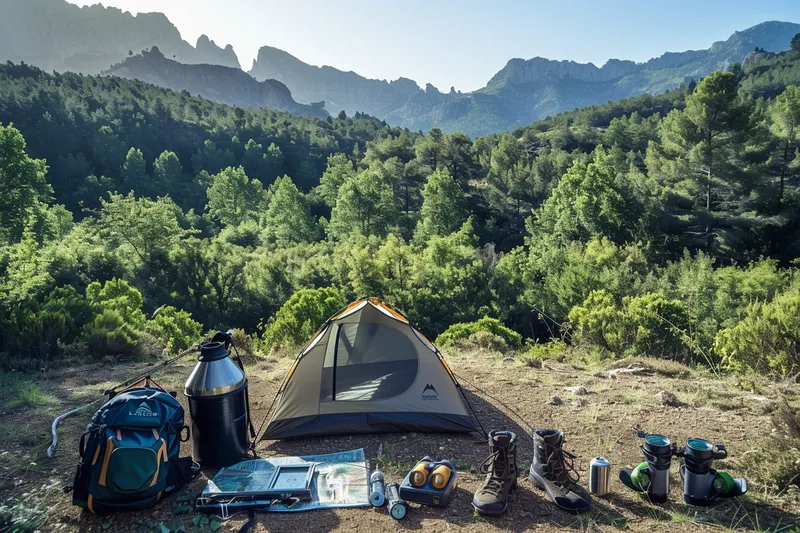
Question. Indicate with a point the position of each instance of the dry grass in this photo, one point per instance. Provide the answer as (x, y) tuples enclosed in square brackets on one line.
[(597, 423)]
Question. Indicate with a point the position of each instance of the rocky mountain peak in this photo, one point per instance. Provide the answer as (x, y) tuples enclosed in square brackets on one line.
[(519, 71), (57, 35), (209, 52)]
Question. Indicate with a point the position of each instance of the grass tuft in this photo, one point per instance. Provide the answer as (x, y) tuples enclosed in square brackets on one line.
[(31, 396), (775, 463)]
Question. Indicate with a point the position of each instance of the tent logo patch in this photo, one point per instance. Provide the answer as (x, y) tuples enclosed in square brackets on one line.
[(429, 393), (143, 410)]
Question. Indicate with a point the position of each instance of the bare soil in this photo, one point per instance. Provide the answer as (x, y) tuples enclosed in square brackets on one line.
[(596, 421)]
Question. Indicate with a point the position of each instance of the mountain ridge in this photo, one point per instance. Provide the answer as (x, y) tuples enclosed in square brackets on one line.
[(525, 91), (339, 89), (227, 85), (56, 35), (44, 33)]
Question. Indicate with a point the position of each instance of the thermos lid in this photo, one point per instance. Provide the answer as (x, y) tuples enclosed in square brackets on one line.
[(600, 461)]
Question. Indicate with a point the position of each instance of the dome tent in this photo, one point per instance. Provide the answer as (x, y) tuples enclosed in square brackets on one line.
[(375, 373)]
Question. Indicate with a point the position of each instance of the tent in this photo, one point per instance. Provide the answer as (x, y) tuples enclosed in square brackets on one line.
[(368, 370)]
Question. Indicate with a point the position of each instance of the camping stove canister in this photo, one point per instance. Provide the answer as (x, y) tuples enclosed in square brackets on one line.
[(217, 394), (599, 474)]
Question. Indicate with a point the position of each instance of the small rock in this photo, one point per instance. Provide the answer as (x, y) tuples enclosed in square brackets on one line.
[(580, 402), (667, 398), (555, 400), (577, 390)]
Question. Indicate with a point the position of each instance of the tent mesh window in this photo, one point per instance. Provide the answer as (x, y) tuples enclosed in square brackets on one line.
[(367, 361)]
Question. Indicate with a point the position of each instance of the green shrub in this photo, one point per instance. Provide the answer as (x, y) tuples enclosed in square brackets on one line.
[(464, 330), (598, 322), (553, 349), (245, 345), (175, 328), (767, 339), (643, 325), (537, 353), (110, 334), (119, 296), (483, 340), (659, 326), (300, 316)]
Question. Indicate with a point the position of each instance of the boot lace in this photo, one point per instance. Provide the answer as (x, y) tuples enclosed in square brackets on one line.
[(562, 466), (497, 464)]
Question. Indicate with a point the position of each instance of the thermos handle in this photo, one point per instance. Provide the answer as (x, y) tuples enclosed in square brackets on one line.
[(721, 452), (229, 335)]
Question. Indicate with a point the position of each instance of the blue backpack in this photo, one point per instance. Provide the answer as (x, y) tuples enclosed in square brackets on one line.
[(130, 453)]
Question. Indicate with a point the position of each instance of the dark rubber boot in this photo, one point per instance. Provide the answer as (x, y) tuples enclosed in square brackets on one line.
[(553, 472), (501, 469)]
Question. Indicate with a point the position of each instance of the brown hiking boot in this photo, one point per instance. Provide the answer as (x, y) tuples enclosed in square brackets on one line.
[(501, 469), (553, 471)]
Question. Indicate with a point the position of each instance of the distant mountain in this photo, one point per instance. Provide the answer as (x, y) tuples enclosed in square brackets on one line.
[(226, 85), (526, 91), (521, 93), (57, 35), (338, 89)]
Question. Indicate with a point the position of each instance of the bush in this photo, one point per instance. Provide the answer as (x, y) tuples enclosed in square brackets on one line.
[(658, 325), (642, 325), (598, 322), (301, 315), (464, 330), (110, 334), (119, 296), (483, 340), (553, 350), (175, 328), (766, 340), (245, 345), (34, 329)]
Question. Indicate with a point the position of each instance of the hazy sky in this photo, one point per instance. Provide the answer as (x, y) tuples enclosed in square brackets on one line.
[(460, 42)]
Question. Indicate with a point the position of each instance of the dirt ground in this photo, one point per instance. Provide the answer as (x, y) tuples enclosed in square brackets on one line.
[(596, 421)]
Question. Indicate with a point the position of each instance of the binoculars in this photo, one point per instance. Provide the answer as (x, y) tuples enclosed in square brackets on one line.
[(429, 483), (702, 484)]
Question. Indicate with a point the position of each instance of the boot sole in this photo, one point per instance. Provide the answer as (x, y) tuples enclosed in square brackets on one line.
[(505, 507), (539, 484)]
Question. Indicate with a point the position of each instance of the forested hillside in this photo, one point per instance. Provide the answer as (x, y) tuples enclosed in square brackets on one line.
[(135, 216)]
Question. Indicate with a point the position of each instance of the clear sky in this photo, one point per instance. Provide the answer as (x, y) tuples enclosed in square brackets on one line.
[(460, 42)]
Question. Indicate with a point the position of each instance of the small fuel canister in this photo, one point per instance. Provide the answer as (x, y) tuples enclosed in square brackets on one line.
[(377, 497), (397, 507)]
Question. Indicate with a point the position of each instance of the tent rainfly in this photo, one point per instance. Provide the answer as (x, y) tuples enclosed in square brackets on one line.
[(368, 370)]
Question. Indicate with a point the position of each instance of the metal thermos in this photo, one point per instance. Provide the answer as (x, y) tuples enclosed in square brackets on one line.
[(217, 394), (599, 475)]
